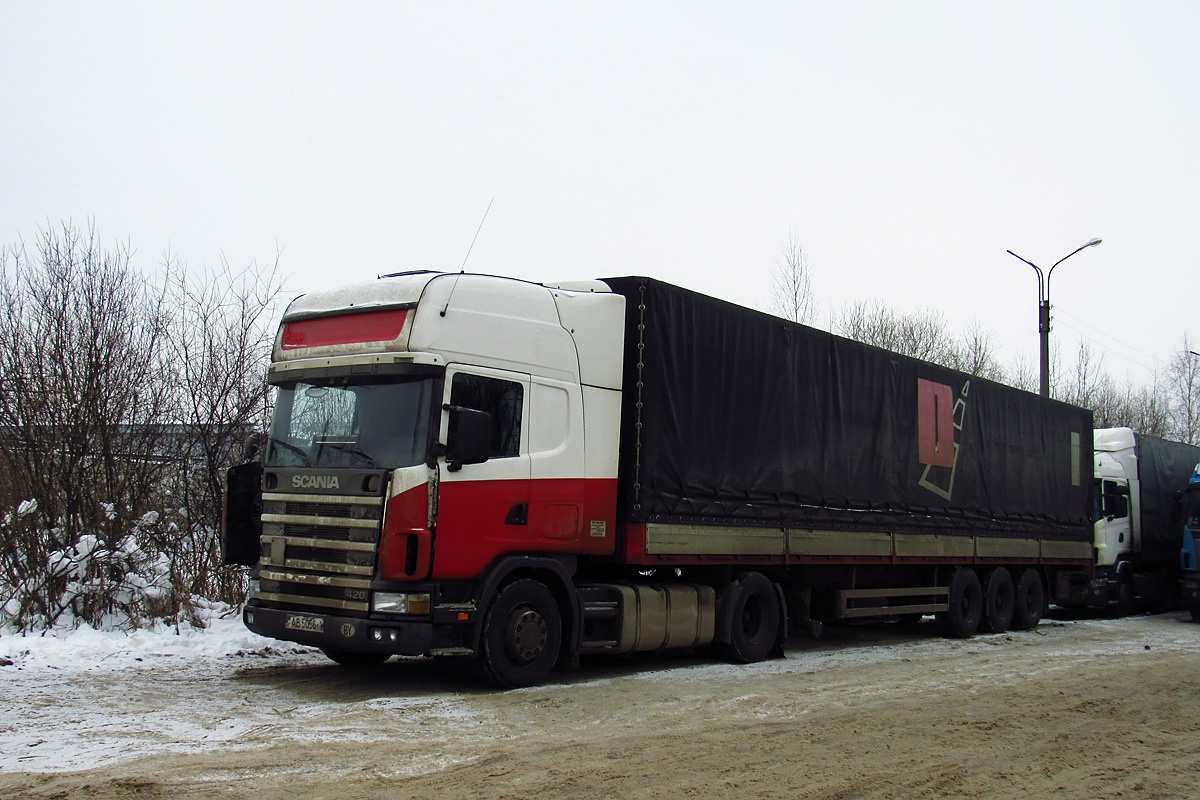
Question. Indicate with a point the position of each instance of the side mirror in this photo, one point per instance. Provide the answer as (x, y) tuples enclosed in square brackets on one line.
[(469, 439), (241, 517)]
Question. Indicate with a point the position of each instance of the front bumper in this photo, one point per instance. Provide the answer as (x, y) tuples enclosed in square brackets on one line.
[(350, 634)]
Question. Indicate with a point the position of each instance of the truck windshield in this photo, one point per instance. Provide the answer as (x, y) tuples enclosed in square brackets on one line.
[(376, 424)]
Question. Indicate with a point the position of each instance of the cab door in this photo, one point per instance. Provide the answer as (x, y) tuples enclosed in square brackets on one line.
[(483, 509), (1113, 529)]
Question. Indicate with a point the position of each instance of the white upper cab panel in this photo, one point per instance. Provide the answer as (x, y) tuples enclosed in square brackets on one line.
[(1115, 453), (566, 334)]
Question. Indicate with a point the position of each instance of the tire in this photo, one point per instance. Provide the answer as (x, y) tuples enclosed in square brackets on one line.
[(1195, 614), (961, 619), (749, 619), (351, 659), (522, 636), (1125, 603), (999, 600), (1030, 600)]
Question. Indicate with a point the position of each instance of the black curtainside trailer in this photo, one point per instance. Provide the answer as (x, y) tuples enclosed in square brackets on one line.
[(1164, 468), (880, 485), (737, 417)]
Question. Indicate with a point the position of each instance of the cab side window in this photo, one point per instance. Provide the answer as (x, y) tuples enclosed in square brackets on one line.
[(1110, 501), (502, 399)]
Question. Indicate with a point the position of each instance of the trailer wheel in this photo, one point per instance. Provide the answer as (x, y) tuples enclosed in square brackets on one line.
[(522, 634), (749, 619), (1030, 600), (999, 598), (351, 659), (961, 619)]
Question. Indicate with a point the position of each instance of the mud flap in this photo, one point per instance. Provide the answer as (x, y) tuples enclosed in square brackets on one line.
[(781, 642)]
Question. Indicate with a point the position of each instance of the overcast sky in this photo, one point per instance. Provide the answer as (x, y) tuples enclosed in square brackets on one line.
[(905, 145)]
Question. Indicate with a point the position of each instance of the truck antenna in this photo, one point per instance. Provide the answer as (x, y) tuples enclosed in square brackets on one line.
[(463, 268)]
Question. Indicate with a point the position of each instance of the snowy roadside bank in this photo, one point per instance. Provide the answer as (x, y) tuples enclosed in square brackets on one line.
[(86, 648)]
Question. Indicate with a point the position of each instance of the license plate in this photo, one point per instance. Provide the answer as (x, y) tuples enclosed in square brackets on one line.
[(300, 622)]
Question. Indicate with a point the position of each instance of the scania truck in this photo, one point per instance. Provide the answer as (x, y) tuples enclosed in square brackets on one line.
[(1139, 482), (517, 474)]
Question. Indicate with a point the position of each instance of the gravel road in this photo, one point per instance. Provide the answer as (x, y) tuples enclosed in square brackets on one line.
[(1074, 709)]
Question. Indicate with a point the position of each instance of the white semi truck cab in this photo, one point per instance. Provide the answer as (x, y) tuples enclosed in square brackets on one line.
[(1138, 481)]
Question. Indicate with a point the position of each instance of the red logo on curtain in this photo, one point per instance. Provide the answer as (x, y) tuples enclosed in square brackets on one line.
[(935, 424)]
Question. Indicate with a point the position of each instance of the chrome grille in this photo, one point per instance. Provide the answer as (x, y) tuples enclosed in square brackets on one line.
[(318, 550)]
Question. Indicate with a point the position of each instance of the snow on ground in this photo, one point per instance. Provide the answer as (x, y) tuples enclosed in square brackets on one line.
[(72, 697), (77, 699), (84, 648)]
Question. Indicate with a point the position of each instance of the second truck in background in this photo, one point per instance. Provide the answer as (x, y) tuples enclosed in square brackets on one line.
[(1139, 527)]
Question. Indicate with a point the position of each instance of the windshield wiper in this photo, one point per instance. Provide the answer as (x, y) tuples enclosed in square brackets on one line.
[(297, 450), (351, 450)]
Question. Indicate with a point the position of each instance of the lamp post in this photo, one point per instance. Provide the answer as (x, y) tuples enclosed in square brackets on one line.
[(1044, 308)]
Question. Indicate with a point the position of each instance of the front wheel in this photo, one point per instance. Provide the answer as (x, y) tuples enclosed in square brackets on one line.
[(522, 634)]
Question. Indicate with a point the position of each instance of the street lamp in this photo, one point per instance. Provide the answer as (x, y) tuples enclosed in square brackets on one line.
[(1044, 308)]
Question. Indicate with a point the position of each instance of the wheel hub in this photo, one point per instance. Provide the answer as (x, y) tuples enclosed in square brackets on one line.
[(527, 635)]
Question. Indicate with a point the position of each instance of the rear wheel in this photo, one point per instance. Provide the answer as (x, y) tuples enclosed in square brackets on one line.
[(999, 598), (751, 615), (1030, 600), (522, 634), (961, 619)]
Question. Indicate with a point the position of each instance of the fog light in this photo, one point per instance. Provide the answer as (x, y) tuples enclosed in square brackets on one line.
[(377, 634), (250, 617), (393, 635), (393, 603)]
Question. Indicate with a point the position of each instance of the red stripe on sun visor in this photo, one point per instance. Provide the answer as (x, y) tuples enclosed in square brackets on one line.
[(372, 326)]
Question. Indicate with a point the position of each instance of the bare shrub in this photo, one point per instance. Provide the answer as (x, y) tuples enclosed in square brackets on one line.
[(122, 400), (85, 395), (220, 340)]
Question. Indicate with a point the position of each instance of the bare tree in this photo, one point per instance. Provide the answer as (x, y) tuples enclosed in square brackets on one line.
[(1087, 382), (1022, 374), (975, 353), (122, 400), (921, 334), (85, 398), (220, 343), (1144, 408), (792, 293), (1183, 389)]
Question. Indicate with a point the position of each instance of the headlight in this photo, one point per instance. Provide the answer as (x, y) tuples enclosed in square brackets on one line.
[(255, 588), (392, 603)]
